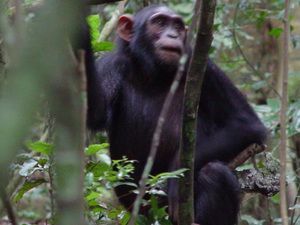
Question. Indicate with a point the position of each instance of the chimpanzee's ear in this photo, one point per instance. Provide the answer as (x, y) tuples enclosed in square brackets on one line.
[(125, 24)]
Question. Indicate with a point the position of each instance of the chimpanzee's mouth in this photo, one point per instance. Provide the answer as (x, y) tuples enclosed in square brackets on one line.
[(176, 50)]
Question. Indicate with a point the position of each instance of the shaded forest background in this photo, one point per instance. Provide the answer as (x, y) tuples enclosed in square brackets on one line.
[(42, 109)]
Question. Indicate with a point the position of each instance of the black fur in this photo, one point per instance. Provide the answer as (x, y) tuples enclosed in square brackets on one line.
[(125, 97)]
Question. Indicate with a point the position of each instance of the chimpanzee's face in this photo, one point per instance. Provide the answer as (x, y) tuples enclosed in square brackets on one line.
[(168, 32)]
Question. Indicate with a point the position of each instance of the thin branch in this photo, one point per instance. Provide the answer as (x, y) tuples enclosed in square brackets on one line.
[(145, 3), (255, 181), (285, 55), (193, 24), (110, 25), (156, 139), (294, 210), (245, 58), (8, 206), (98, 2), (245, 155)]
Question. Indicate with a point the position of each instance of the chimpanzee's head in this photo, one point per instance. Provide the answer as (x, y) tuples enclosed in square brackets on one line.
[(155, 35)]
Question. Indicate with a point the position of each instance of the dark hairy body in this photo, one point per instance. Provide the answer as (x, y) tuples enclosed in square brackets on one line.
[(125, 97)]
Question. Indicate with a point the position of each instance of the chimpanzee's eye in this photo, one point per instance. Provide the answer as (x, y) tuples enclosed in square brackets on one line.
[(179, 26), (160, 21)]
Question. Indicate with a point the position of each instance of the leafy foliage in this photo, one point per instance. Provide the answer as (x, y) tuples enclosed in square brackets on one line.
[(94, 24), (246, 35), (100, 179)]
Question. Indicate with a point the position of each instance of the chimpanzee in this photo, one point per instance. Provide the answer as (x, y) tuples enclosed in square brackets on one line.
[(126, 95)]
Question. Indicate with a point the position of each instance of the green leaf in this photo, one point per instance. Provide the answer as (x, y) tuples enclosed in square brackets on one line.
[(157, 192), (98, 169), (142, 220), (94, 24), (43, 162), (28, 186), (98, 209), (162, 212), (259, 84), (41, 147), (154, 206), (93, 203), (93, 149), (297, 206), (245, 167), (251, 221), (274, 104), (103, 46), (125, 218), (27, 167), (275, 198), (167, 175), (92, 196), (276, 32)]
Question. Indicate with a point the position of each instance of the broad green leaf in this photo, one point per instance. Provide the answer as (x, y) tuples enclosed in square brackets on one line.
[(28, 186), (27, 167), (295, 123), (125, 218), (93, 203), (93, 195), (43, 162), (41, 147), (93, 149), (245, 167), (157, 192), (251, 221), (114, 213), (162, 212), (98, 169), (174, 174), (275, 198), (259, 84), (274, 104), (98, 209), (276, 32), (116, 184), (297, 206), (154, 206), (94, 24), (142, 220), (103, 46)]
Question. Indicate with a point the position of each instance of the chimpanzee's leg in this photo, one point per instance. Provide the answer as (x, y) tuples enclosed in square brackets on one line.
[(217, 195)]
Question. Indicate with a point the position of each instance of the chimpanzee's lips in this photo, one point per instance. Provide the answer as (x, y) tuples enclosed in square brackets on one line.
[(173, 49)]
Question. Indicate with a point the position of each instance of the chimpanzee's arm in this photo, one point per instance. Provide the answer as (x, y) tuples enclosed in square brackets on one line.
[(97, 102), (226, 124), (103, 90)]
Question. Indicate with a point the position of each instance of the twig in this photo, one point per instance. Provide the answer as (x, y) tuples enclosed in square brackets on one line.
[(293, 211), (111, 24), (193, 24), (47, 137), (285, 55), (98, 2), (245, 155), (156, 139), (245, 58), (145, 3), (7, 204)]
